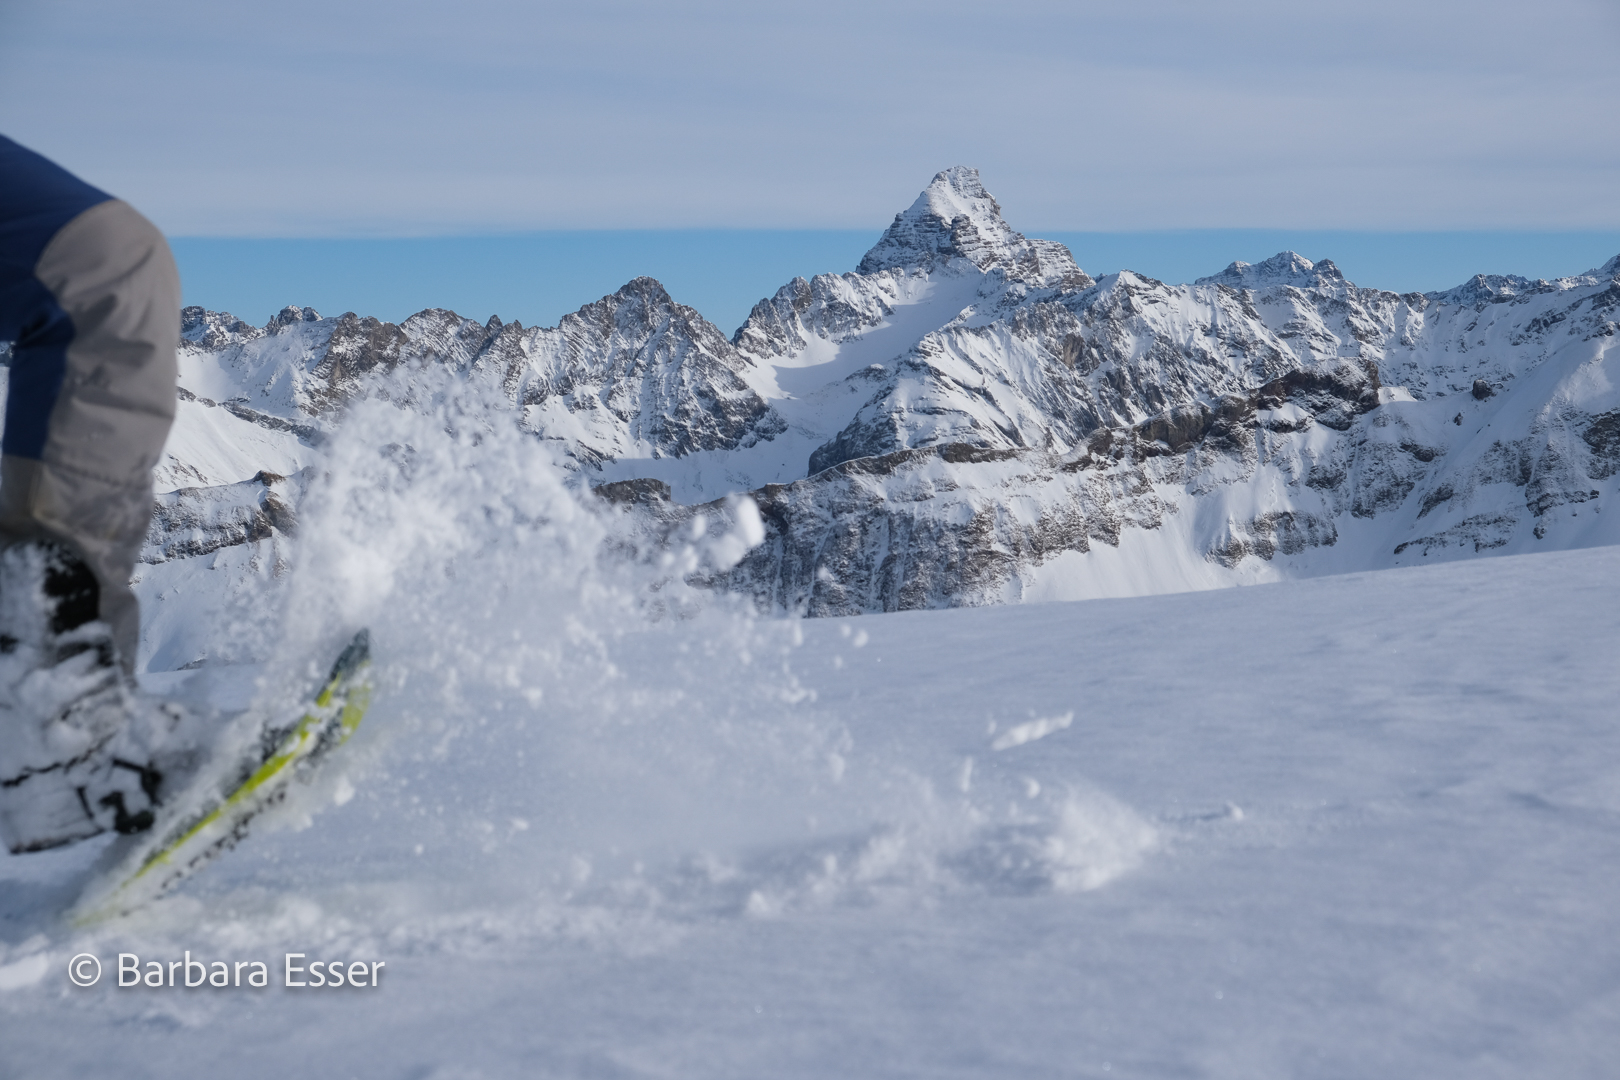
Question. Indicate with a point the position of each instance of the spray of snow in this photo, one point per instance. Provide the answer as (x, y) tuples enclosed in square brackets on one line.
[(1020, 734), (675, 764)]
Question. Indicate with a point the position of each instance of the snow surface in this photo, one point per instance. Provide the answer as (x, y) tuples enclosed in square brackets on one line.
[(601, 825), (209, 446)]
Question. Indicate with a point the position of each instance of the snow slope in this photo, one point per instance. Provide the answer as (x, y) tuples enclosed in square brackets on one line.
[(603, 824)]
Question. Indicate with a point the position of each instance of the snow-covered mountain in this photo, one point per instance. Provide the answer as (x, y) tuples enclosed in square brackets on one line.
[(1271, 421), (969, 418)]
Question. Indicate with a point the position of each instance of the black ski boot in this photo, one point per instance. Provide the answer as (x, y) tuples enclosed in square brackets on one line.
[(77, 739)]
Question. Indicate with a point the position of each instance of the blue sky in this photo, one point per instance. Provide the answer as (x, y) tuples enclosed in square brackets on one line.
[(1163, 124)]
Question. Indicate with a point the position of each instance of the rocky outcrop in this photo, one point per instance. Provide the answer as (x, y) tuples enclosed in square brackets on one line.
[(665, 376), (198, 521), (211, 331)]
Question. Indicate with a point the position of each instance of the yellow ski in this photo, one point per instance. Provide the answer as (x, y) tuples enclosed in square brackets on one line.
[(167, 855)]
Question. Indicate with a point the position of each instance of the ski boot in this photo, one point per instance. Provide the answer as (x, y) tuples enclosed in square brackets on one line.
[(82, 749)]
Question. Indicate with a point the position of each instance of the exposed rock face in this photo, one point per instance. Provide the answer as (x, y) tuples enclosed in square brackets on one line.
[(665, 375), (197, 521), (354, 349), (1054, 368), (970, 418), (964, 524), (215, 330), (830, 307)]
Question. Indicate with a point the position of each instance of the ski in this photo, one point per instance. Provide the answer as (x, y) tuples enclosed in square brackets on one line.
[(203, 827)]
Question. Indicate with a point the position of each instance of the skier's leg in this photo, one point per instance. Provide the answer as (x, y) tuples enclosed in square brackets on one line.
[(90, 295), (78, 455)]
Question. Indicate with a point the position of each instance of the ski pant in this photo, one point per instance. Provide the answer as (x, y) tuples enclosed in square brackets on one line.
[(91, 297)]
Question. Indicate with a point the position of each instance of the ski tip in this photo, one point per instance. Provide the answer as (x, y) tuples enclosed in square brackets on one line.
[(356, 653)]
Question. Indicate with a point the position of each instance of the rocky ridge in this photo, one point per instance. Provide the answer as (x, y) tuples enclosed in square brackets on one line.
[(633, 373)]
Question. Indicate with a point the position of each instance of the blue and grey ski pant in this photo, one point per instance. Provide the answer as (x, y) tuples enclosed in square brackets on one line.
[(90, 299)]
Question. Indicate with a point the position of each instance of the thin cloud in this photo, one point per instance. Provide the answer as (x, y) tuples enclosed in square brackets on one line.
[(485, 116)]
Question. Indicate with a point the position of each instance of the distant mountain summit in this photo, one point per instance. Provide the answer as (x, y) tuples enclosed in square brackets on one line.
[(1284, 268), (956, 218)]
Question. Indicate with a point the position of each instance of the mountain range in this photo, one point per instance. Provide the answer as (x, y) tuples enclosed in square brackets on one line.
[(969, 418)]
